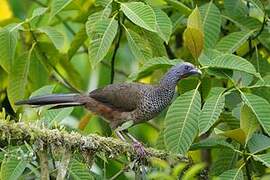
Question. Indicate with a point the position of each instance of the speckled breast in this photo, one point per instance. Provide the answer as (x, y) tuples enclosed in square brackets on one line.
[(153, 103)]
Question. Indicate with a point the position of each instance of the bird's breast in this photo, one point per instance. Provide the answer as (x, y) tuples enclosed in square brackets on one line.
[(153, 103)]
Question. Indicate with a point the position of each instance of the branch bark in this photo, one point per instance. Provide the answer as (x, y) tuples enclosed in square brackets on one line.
[(44, 165), (32, 133), (63, 165)]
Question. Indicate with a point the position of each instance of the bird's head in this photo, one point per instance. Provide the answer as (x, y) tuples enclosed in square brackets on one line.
[(184, 70), (178, 72)]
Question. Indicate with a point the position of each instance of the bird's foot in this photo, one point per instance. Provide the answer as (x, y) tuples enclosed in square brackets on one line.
[(139, 149)]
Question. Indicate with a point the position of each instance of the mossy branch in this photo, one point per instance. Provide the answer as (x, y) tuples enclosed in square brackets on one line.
[(35, 134)]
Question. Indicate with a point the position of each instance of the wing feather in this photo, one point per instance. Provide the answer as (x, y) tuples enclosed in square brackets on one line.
[(124, 96)]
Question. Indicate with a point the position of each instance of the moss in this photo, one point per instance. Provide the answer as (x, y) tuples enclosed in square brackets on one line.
[(87, 145)]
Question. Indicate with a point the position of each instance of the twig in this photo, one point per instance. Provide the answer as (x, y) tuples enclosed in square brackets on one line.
[(115, 50), (111, 147), (169, 51), (115, 69), (63, 165), (44, 165)]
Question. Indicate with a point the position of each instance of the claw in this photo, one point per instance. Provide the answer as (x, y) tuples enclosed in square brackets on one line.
[(139, 149)]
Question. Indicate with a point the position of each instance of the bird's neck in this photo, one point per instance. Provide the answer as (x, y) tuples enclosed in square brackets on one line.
[(169, 81)]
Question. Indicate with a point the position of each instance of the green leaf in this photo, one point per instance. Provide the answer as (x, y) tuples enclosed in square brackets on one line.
[(177, 20), (229, 120), (164, 25), (53, 116), (259, 5), (77, 42), (155, 42), (245, 23), (179, 6), (264, 39), (211, 112), (38, 12), (45, 90), (140, 14), (138, 46), (258, 143), (215, 59), (264, 158), (57, 6), (160, 143), (232, 174), (12, 168), (226, 159), (248, 121), (233, 41), (101, 39), (103, 3), (55, 36), (181, 120), (79, 171), (261, 109), (71, 74), (212, 142), (153, 64), (18, 78), (211, 22), (96, 17), (8, 39), (236, 8)]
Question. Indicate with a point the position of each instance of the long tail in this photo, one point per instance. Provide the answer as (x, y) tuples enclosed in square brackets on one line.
[(57, 100)]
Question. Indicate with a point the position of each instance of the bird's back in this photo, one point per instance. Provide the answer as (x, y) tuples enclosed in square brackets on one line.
[(124, 96)]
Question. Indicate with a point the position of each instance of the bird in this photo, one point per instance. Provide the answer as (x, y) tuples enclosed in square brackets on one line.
[(122, 102)]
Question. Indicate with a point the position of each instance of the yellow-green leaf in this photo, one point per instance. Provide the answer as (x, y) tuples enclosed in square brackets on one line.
[(248, 121), (236, 134), (193, 40), (194, 20)]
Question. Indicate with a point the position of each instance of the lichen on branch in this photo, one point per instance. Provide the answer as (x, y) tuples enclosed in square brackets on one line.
[(33, 133)]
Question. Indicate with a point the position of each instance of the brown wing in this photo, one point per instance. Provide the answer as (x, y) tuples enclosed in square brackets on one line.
[(124, 96)]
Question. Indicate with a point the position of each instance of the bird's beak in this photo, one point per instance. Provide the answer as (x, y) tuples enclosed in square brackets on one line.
[(196, 71)]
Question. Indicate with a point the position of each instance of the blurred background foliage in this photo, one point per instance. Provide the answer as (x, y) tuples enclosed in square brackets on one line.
[(46, 47)]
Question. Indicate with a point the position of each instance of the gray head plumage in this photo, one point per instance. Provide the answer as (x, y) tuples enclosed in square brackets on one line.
[(178, 72)]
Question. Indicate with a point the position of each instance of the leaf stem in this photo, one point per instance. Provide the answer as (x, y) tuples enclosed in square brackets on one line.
[(115, 50)]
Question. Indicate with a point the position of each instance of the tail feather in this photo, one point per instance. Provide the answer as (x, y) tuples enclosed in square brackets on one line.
[(62, 100)]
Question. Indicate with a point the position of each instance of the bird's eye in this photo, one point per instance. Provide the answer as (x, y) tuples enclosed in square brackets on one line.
[(187, 67)]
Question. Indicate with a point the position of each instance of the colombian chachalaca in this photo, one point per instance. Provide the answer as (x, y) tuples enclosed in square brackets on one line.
[(119, 103)]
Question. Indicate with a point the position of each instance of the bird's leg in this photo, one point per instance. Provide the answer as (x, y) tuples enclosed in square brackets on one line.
[(120, 135), (138, 147)]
